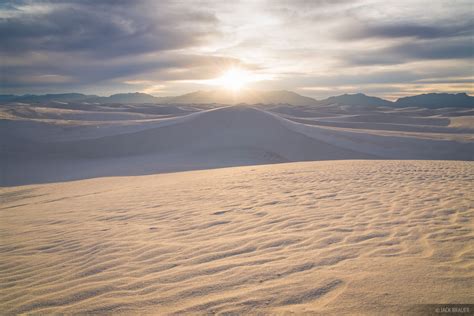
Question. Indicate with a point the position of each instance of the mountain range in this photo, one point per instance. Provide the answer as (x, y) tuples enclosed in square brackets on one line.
[(430, 100)]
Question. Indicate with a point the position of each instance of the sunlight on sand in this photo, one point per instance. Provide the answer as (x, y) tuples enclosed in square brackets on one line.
[(332, 237)]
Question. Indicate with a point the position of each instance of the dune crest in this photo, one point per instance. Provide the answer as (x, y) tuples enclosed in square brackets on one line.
[(45, 145)]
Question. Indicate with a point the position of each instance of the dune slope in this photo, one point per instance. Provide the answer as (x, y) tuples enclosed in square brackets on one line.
[(36, 151), (330, 237)]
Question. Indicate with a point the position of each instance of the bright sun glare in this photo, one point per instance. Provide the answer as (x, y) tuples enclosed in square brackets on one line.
[(234, 79)]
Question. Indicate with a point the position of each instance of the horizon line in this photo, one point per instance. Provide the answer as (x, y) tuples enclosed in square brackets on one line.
[(224, 90)]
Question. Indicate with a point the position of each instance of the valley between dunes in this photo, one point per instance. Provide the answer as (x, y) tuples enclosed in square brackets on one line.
[(353, 237)]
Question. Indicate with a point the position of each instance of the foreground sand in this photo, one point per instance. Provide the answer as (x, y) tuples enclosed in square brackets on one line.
[(335, 236)]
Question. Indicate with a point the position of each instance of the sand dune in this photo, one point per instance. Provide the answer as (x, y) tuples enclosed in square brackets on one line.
[(330, 237), (342, 236), (44, 145)]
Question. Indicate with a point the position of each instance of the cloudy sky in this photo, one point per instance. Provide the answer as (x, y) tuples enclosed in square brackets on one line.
[(318, 48)]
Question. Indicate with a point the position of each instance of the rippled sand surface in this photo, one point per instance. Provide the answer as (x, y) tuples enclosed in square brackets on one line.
[(330, 237)]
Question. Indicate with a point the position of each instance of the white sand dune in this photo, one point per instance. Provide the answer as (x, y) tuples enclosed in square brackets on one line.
[(344, 236), (339, 237), (51, 125), (38, 149)]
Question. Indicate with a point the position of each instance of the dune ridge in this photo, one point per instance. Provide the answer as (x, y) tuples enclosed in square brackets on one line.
[(193, 138)]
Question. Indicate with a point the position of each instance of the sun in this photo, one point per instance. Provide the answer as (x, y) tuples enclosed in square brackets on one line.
[(234, 79)]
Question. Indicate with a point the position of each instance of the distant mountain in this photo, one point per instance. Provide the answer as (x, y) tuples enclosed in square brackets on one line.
[(287, 97), (7, 97), (358, 99), (248, 97), (136, 97), (79, 97), (199, 97), (32, 98), (437, 100), (432, 100)]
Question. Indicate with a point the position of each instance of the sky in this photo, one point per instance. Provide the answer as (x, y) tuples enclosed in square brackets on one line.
[(318, 48)]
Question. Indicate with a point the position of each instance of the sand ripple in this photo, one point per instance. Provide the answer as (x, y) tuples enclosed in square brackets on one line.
[(341, 237)]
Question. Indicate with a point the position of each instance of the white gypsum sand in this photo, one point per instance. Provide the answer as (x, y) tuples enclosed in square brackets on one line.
[(330, 237), (41, 144)]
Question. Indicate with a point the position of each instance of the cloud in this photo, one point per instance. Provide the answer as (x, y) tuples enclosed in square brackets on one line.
[(108, 29), (446, 75), (87, 42), (462, 48), (85, 71), (110, 46), (399, 29)]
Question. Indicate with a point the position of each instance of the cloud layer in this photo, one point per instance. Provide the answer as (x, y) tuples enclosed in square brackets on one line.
[(318, 48)]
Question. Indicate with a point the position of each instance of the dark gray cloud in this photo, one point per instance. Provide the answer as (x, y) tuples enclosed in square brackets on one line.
[(305, 4), (105, 29), (381, 77), (462, 48), (442, 29), (166, 67), (89, 42)]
